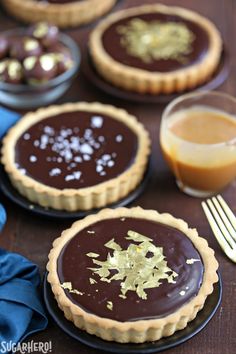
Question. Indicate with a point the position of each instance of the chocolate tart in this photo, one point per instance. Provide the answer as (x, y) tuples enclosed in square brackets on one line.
[(65, 13), (156, 49), (131, 275), (76, 156)]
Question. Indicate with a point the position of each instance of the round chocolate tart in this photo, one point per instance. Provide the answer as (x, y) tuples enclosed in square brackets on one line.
[(131, 275), (156, 49), (76, 156), (63, 13)]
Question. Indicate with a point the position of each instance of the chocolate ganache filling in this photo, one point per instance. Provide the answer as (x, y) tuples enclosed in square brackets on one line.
[(156, 42), (128, 269), (76, 149)]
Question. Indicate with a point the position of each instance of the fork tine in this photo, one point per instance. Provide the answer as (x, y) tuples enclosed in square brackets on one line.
[(220, 223), (216, 230), (224, 217), (228, 211)]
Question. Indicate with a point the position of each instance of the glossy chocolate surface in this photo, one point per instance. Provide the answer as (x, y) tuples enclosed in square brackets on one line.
[(76, 149), (59, 1), (112, 44), (73, 264)]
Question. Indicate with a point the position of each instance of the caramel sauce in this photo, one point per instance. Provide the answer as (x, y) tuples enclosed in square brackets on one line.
[(188, 146)]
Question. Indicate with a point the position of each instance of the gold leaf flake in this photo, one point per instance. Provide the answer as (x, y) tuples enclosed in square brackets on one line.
[(92, 255), (139, 267), (192, 260), (156, 40), (67, 285), (92, 281), (113, 245), (135, 236), (110, 305), (76, 292)]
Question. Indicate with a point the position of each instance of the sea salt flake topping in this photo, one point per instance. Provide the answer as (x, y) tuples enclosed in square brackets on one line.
[(26, 136), (86, 149), (55, 172), (32, 158), (22, 171), (96, 122), (36, 143), (77, 159), (48, 130), (74, 176), (119, 138)]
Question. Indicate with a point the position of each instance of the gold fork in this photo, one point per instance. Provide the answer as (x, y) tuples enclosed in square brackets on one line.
[(223, 224)]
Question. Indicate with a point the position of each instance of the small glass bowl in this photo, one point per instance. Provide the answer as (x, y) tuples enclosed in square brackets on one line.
[(201, 169), (31, 96)]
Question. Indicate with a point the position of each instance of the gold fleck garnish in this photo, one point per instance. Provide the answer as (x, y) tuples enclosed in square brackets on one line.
[(113, 245), (30, 62), (182, 293), (135, 236), (110, 305), (41, 30), (92, 255), (76, 292), (139, 267), (192, 260), (30, 44), (92, 281), (68, 286), (156, 40), (90, 232)]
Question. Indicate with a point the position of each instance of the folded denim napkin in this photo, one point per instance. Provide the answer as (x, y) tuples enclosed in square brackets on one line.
[(7, 119), (21, 312)]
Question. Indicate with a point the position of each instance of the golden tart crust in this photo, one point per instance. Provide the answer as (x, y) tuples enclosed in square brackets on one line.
[(141, 330), (62, 15), (95, 196), (143, 81)]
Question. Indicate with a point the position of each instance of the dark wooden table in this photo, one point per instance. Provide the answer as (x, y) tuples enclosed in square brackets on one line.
[(32, 236)]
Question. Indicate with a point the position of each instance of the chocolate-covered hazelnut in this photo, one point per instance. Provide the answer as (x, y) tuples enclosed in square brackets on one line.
[(11, 71), (24, 47), (40, 69), (63, 57), (45, 33), (4, 46)]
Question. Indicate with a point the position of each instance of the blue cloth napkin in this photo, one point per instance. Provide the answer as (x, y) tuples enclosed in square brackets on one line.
[(21, 312), (3, 217), (7, 119)]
